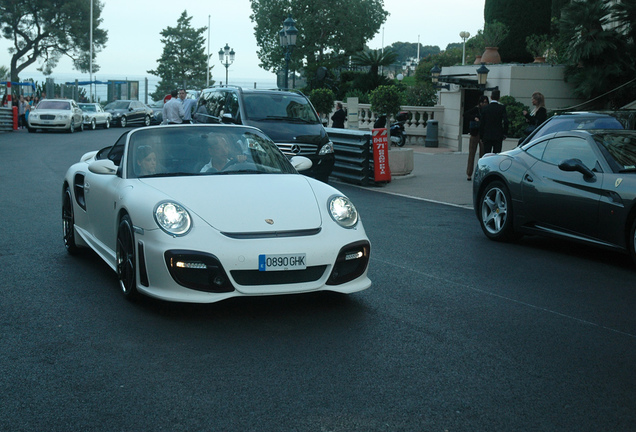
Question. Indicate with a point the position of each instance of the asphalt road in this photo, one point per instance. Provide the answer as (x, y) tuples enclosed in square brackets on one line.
[(457, 333)]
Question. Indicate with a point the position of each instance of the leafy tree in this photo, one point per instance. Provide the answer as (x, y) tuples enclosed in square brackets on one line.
[(4, 72), (407, 50), (598, 36), (47, 30), (385, 100), (523, 18), (183, 62), (323, 100), (327, 35)]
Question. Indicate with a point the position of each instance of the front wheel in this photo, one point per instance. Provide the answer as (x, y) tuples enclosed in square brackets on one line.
[(123, 122), (107, 124), (93, 124), (495, 212), (126, 264), (68, 222), (71, 128), (147, 120)]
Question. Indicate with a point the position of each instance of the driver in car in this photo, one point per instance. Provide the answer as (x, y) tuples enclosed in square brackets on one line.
[(219, 151)]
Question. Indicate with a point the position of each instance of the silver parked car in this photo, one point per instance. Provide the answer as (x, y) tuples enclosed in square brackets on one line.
[(94, 115)]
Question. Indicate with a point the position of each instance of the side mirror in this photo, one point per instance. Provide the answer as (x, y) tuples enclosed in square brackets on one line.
[(577, 165), (103, 166), (301, 163)]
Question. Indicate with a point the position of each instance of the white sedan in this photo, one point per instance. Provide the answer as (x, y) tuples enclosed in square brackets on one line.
[(94, 115), (61, 114), (201, 213)]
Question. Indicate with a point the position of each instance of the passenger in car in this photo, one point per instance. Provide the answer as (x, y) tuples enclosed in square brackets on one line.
[(146, 160)]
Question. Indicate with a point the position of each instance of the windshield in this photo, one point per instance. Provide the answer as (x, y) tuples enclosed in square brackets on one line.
[(621, 148), (118, 105), (275, 106), (88, 107), (202, 151), (54, 105)]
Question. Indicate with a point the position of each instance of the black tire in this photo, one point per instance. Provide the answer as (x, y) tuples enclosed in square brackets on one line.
[(71, 128), (32, 130), (68, 222), (82, 126), (107, 124), (402, 140), (93, 124), (147, 120), (495, 212), (123, 122), (126, 259)]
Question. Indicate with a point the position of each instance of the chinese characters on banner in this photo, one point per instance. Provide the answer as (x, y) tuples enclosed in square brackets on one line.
[(382, 172)]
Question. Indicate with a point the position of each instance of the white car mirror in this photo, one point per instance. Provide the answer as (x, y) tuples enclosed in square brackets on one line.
[(301, 163), (103, 166)]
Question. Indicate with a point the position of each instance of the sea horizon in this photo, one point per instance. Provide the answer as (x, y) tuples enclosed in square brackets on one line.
[(100, 91)]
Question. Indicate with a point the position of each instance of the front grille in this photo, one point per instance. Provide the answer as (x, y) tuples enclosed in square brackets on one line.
[(305, 149), (255, 277), (273, 234), (47, 117)]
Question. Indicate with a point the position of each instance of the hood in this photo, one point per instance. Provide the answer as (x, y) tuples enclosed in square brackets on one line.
[(242, 203)]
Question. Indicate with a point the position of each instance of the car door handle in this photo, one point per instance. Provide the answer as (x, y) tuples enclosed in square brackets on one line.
[(87, 186), (528, 178)]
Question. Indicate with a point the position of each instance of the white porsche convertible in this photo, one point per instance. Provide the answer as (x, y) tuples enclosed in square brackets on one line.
[(201, 213)]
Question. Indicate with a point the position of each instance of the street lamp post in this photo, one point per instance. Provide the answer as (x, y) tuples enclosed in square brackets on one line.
[(464, 35), (226, 55), (288, 36)]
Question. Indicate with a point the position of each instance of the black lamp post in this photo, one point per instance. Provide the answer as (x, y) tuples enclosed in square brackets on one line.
[(288, 36), (226, 55)]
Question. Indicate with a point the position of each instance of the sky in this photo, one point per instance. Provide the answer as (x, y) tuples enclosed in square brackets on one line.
[(134, 28)]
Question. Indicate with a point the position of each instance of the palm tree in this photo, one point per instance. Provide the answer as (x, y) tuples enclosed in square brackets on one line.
[(374, 60)]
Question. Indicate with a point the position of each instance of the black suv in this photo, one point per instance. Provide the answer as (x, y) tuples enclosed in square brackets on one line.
[(288, 118)]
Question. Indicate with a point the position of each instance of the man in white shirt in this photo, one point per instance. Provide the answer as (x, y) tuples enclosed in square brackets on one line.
[(173, 112), (188, 106)]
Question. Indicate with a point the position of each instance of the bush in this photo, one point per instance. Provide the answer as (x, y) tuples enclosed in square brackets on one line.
[(385, 100), (514, 110), (323, 100)]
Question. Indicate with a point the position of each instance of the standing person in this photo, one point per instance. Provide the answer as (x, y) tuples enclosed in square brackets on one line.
[(539, 113), (474, 115), (339, 117), (22, 107), (173, 110), (188, 106), (493, 125)]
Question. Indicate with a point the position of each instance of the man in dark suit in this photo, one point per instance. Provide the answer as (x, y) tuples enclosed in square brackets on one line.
[(339, 117), (493, 126)]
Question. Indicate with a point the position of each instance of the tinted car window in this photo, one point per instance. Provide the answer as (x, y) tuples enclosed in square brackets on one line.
[(537, 150), (620, 149), (559, 149), (278, 107), (576, 122)]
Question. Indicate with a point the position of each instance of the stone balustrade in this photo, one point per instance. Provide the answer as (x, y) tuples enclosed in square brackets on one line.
[(415, 126)]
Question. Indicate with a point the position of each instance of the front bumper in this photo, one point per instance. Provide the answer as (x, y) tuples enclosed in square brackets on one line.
[(187, 270)]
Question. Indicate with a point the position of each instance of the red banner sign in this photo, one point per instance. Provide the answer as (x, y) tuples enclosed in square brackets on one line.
[(382, 172)]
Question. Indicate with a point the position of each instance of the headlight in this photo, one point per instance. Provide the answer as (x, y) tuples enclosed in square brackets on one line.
[(342, 211), (326, 149), (173, 218)]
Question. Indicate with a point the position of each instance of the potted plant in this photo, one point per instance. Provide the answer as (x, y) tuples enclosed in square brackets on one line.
[(494, 33), (538, 45)]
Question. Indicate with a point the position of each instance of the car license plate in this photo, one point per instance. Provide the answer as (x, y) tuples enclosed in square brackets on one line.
[(282, 262)]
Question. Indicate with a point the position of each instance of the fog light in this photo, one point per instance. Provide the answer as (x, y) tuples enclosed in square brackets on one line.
[(191, 265), (353, 255)]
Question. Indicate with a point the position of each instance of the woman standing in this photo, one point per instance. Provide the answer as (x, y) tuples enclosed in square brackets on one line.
[(474, 115), (538, 115)]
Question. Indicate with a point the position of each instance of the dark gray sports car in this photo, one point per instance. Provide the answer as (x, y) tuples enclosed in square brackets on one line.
[(578, 185)]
